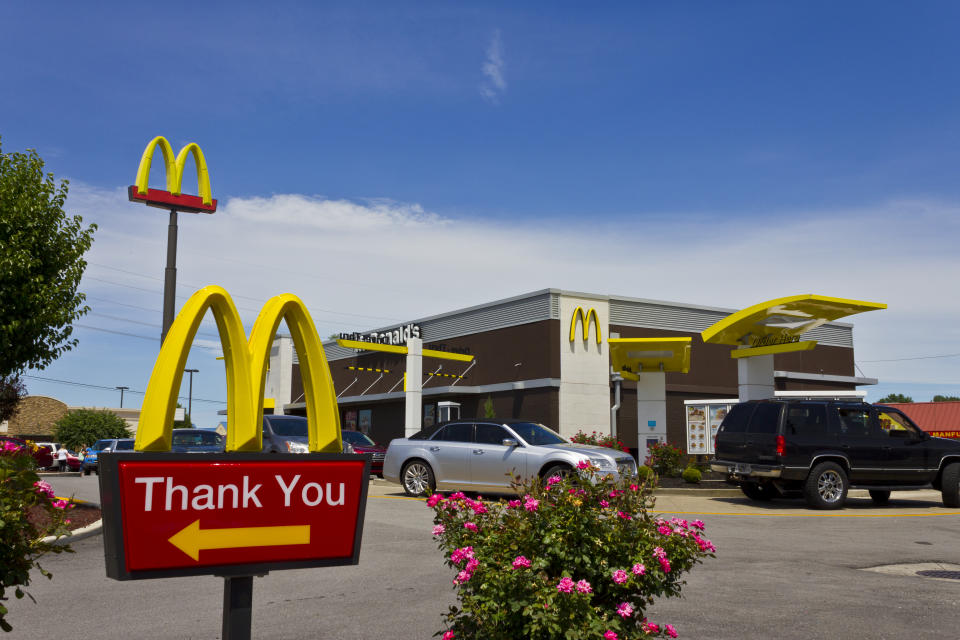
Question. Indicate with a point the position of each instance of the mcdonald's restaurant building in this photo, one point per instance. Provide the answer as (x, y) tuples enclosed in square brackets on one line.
[(538, 357)]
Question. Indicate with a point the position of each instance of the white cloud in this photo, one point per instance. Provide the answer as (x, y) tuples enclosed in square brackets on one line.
[(494, 83)]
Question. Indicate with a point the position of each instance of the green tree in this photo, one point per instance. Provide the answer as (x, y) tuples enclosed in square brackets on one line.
[(895, 397), (83, 427), (41, 263), (488, 411), (11, 391), (939, 398)]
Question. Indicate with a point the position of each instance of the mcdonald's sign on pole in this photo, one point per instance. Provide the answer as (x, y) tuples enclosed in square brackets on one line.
[(240, 513)]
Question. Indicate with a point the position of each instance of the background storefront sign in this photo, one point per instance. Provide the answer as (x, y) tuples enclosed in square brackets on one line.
[(366, 418), (400, 335), (350, 420)]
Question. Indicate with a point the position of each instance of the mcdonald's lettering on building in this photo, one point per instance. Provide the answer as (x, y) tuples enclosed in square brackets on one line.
[(174, 514)]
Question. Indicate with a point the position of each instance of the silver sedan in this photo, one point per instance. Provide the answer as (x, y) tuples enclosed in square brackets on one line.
[(483, 455)]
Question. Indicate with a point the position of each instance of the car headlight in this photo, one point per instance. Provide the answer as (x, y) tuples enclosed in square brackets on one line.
[(297, 447), (602, 463)]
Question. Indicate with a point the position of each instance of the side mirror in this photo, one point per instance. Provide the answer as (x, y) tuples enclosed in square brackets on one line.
[(107, 450), (510, 442)]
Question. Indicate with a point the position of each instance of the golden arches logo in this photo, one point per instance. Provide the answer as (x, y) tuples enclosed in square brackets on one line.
[(585, 320), (246, 367), (175, 166)]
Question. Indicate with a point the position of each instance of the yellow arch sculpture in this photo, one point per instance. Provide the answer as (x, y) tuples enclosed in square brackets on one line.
[(174, 167), (585, 319), (246, 367)]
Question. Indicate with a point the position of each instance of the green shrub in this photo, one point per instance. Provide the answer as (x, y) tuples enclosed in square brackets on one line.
[(577, 557), (83, 427), (21, 543), (664, 458), (691, 475), (645, 473)]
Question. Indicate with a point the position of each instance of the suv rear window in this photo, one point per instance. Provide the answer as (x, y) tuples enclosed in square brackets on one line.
[(766, 418), (736, 421)]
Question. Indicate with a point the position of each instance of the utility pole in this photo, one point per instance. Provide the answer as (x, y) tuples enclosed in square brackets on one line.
[(190, 395), (122, 389)]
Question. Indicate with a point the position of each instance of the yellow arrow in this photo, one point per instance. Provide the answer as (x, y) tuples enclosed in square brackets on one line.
[(192, 539)]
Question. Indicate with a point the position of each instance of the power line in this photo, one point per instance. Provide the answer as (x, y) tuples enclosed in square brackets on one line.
[(945, 355), (87, 385)]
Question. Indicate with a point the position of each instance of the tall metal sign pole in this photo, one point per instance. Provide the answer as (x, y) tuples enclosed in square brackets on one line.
[(174, 201)]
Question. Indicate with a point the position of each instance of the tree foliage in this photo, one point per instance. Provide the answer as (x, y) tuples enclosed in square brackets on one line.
[(939, 398), (11, 392), (895, 397), (41, 263), (83, 427), (488, 411)]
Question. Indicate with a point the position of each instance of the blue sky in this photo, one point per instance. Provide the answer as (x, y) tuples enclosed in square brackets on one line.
[(715, 153)]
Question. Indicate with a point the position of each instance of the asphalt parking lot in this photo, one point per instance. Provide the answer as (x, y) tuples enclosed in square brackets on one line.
[(781, 571)]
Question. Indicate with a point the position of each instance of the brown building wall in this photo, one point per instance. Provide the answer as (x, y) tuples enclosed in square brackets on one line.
[(36, 416)]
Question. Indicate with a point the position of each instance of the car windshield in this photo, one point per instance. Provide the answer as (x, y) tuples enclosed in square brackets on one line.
[(289, 426), (536, 434), (100, 445), (357, 439)]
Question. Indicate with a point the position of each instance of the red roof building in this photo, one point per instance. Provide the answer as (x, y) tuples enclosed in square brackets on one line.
[(939, 419)]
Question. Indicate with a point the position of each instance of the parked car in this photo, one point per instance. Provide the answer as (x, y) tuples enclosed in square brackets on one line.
[(288, 434), (197, 441), (825, 448), (481, 455), (90, 461), (73, 462), (362, 443), (41, 456)]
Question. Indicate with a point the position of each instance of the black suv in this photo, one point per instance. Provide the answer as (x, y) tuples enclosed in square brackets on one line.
[(823, 448)]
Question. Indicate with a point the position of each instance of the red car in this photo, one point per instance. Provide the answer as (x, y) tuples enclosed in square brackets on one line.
[(361, 443), (42, 455)]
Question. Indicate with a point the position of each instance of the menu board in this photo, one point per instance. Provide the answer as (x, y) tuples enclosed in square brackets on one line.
[(697, 441), (703, 420)]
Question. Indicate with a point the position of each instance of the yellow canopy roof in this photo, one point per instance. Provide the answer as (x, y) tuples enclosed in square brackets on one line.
[(630, 356), (782, 321)]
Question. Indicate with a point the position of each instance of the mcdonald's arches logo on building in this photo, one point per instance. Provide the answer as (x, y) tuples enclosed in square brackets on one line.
[(585, 319), (241, 512), (172, 198)]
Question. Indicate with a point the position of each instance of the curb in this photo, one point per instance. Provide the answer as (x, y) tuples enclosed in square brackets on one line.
[(706, 493), (88, 531), (59, 474)]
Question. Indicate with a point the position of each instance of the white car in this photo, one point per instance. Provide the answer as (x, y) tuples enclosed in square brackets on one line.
[(483, 455)]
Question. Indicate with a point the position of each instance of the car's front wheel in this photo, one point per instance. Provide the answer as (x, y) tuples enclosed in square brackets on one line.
[(950, 485), (826, 487), (880, 496), (417, 478)]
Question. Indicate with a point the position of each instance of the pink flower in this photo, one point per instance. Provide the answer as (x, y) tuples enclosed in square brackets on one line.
[(665, 565), (449, 635), (670, 630), (531, 504), (698, 524), (433, 500), (634, 487), (652, 628), (572, 491), (552, 480), (664, 530), (619, 576), (583, 464), (43, 488), (658, 552), (604, 504), (439, 529), (462, 577), (565, 585), (609, 635), (61, 504), (584, 587), (624, 515), (625, 610), (459, 555), (513, 504), (639, 569), (472, 565), (470, 526), (67, 521), (679, 522), (520, 561), (457, 496)]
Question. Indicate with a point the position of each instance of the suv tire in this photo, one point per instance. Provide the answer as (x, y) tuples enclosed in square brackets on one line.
[(880, 496), (950, 485), (757, 491), (826, 487)]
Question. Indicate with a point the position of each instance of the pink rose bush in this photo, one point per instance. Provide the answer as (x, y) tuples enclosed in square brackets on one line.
[(21, 541), (579, 547)]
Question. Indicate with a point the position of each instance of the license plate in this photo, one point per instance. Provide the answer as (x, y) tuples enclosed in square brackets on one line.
[(742, 468)]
